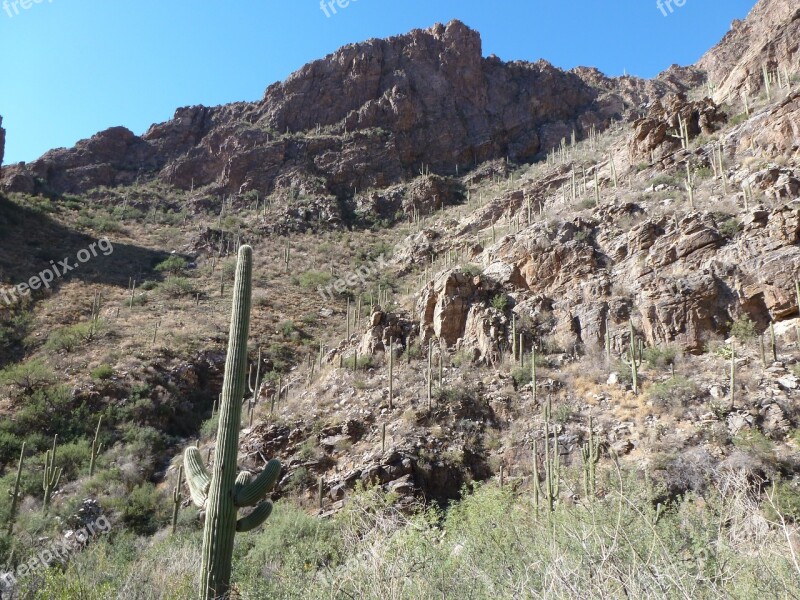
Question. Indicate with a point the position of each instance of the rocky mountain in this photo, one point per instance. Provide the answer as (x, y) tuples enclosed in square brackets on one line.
[(769, 38), (367, 116), (447, 289)]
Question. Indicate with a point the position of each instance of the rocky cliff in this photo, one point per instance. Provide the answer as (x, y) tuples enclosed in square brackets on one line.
[(768, 38), (369, 115)]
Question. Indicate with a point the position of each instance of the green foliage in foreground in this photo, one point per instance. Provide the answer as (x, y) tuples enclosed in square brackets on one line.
[(492, 544)]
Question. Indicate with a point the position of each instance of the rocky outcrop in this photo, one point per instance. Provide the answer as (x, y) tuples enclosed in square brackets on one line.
[(368, 116), (773, 132), (455, 309), (658, 134), (768, 37)]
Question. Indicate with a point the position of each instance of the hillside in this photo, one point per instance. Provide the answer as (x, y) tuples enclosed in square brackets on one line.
[(463, 268)]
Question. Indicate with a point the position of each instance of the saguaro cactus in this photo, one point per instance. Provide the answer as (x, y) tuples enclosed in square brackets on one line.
[(51, 474), (634, 357), (590, 453), (15, 494), (552, 479), (177, 498), (254, 387), (97, 448), (223, 493)]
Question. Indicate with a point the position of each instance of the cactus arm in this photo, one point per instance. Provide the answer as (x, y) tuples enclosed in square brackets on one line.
[(253, 492), (51, 475), (196, 476), (255, 518), (244, 479), (97, 448), (176, 499)]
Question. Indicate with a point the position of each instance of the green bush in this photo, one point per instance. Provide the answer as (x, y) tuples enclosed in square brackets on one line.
[(142, 510), (102, 372), (176, 287), (311, 280), (744, 329), (67, 339), (660, 357), (783, 500), (471, 270), (673, 393), (27, 377), (500, 302), (174, 265), (730, 227)]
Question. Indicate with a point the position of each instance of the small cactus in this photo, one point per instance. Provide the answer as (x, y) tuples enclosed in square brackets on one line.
[(634, 357), (552, 478), (177, 498), (97, 448), (733, 376), (15, 494), (590, 453), (51, 474), (391, 373)]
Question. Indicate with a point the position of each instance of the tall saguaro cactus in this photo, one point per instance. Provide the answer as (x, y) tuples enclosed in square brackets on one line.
[(15, 494), (223, 493), (634, 357), (51, 474), (590, 453)]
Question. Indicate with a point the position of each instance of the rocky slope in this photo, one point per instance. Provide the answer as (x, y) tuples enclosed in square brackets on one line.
[(768, 38), (631, 231)]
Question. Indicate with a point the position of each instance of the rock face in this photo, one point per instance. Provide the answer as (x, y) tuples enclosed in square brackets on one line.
[(768, 37), (657, 135), (368, 116), (680, 281), (774, 132)]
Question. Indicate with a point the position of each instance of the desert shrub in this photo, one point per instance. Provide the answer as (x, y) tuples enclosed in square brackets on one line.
[(471, 270), (102, 372), (300, 479), (755, 443), (311, 280), (783, 500), (660, 357), (673, 393), (500, 302), (209, 427), (175, 287), (27, 377), (364, 362), (288, 329), (730, 227), (739, 119), (173, 265), (142, 509), (67, 339), (744, 329)]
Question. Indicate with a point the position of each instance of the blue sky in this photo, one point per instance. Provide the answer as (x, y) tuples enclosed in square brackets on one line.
[(71, 68)]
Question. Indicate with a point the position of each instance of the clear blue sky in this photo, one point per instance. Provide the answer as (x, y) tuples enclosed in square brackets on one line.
[(71, 68)]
